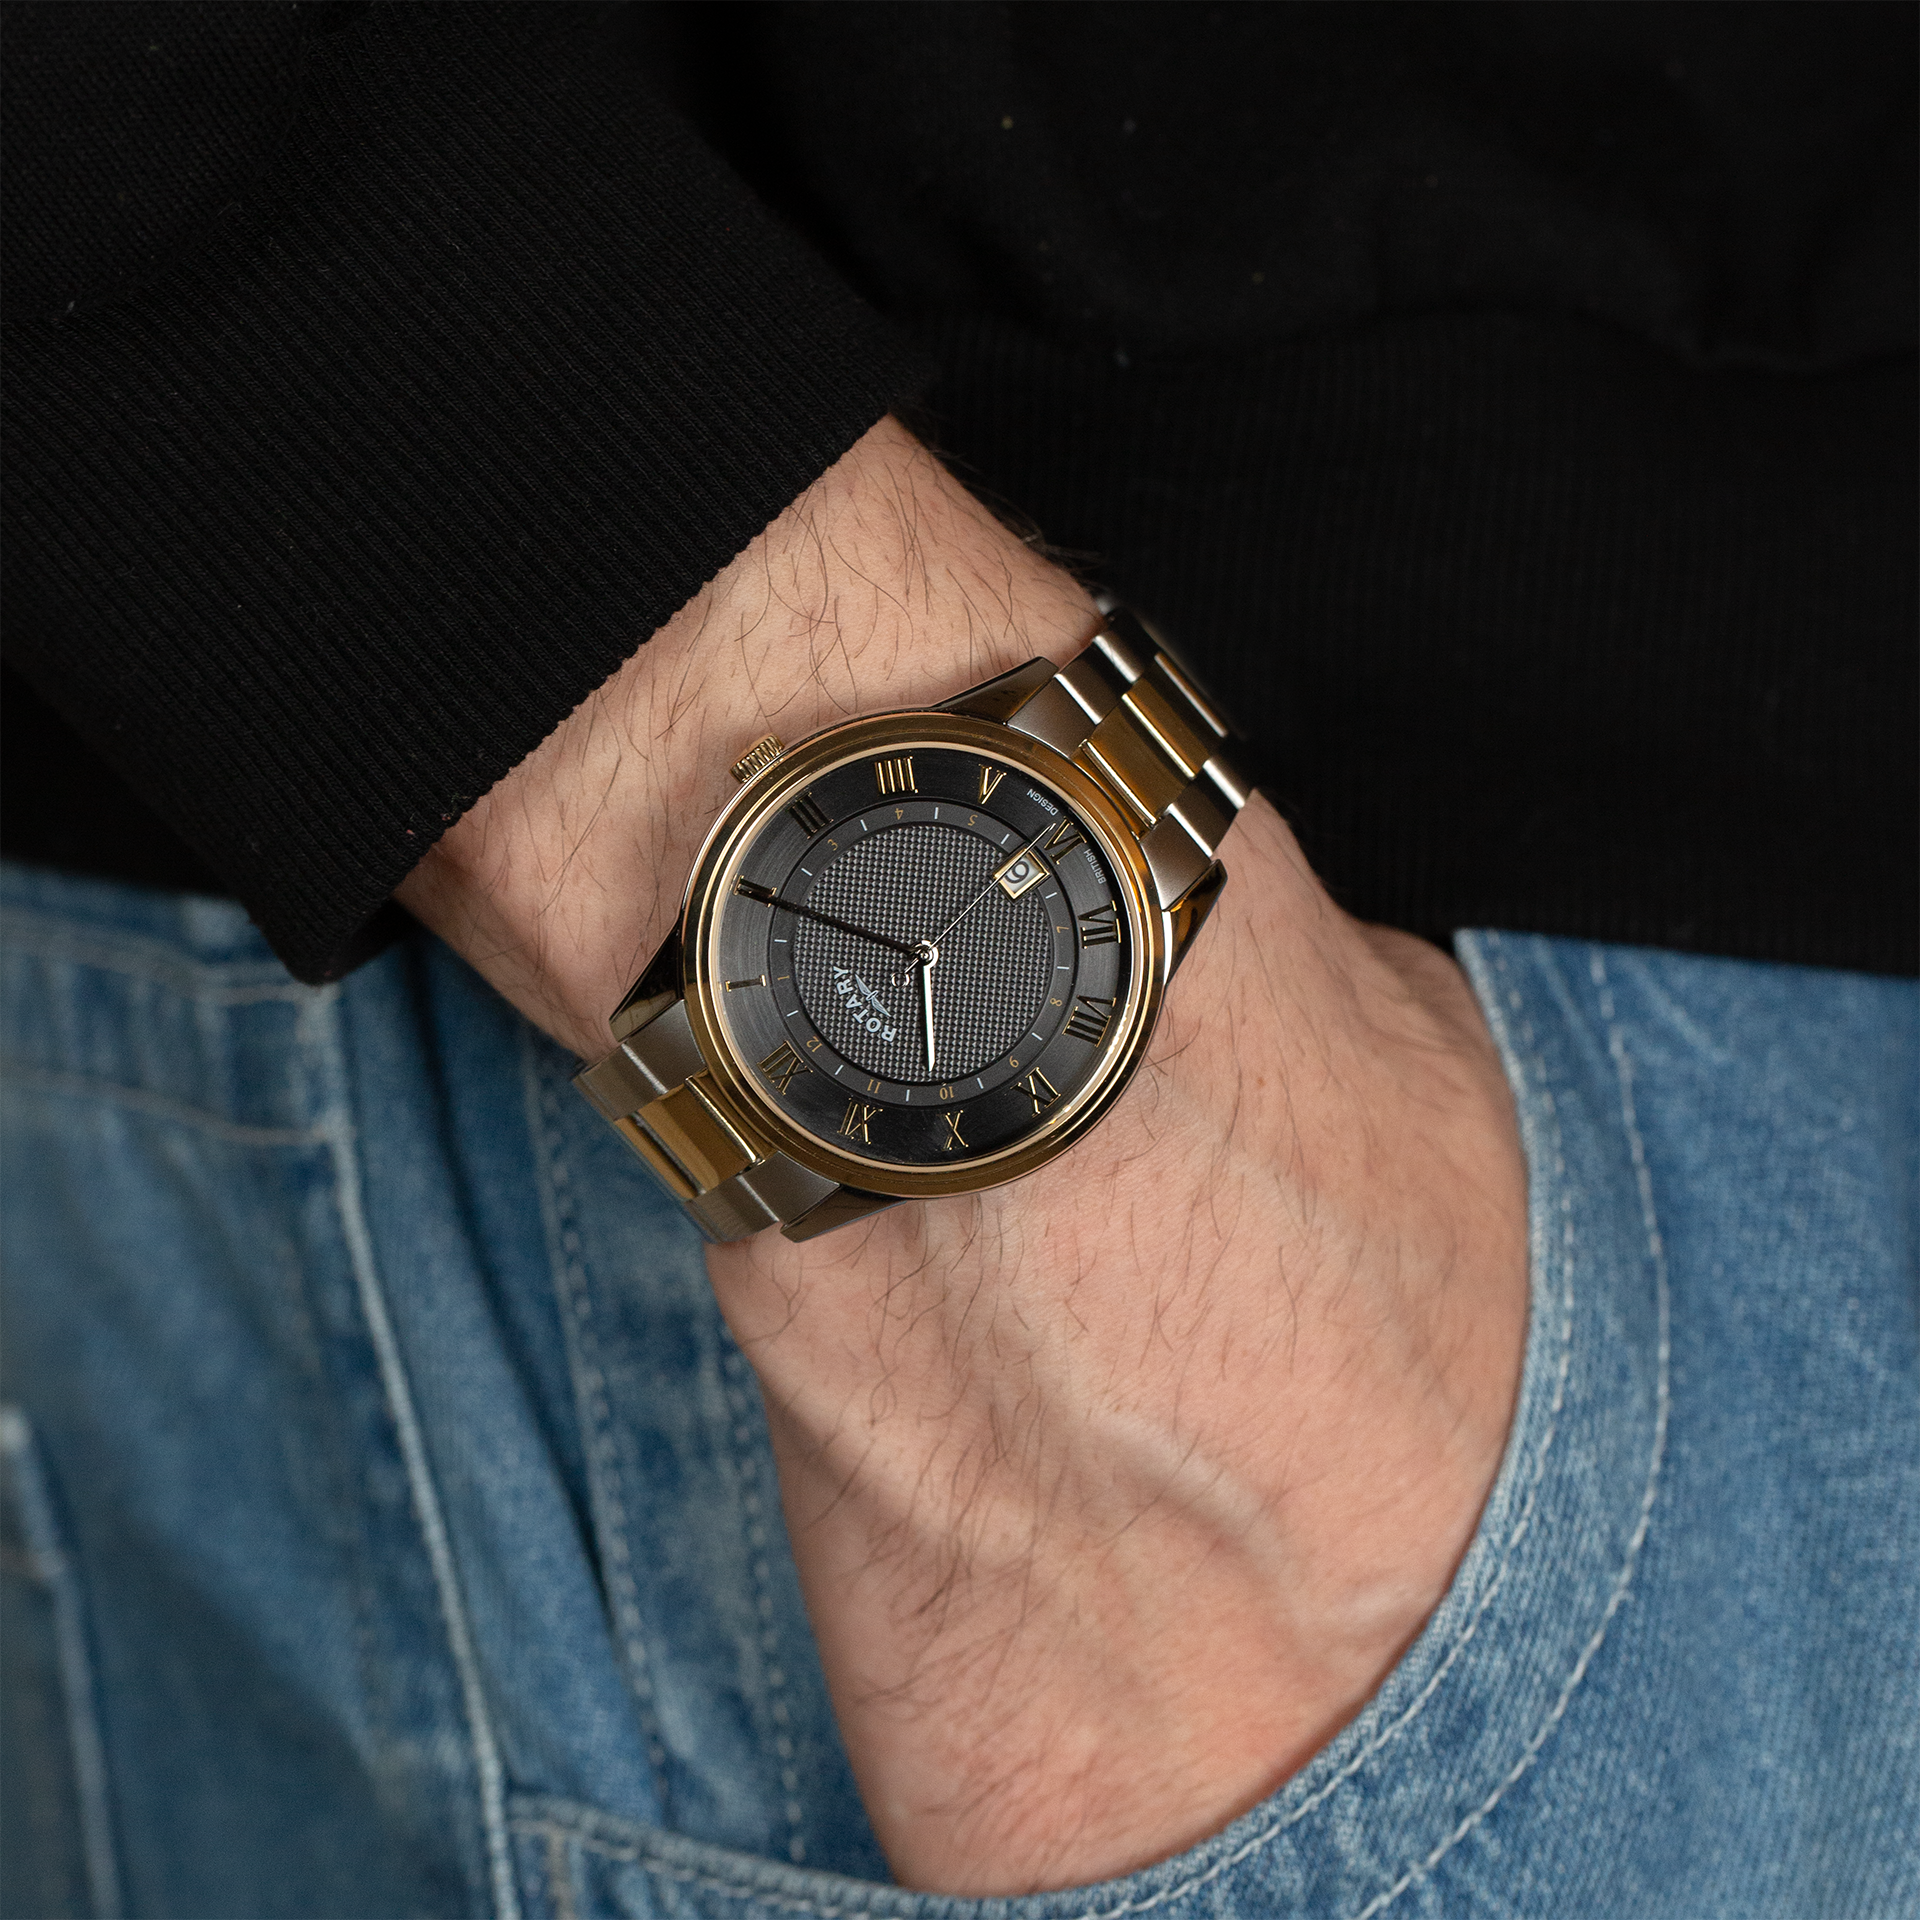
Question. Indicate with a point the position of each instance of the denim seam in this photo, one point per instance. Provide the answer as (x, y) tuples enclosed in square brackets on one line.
[(753, 1504), (1279, 1824), (53, 1567), (185, 978), (566, 1259), (344, 1141), (1656, 1249), (560, 1877), (158, 1106), (336, 1455)]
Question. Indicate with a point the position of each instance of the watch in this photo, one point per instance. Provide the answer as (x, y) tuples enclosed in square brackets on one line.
[(921, 953)]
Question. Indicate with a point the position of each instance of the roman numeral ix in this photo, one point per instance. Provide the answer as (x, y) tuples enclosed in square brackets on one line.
[(1039, 1089)]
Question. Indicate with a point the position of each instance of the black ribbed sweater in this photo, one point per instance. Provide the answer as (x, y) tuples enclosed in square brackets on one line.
[(1512, 408)]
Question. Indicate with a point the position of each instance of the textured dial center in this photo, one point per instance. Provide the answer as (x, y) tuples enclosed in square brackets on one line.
[(907, 884)]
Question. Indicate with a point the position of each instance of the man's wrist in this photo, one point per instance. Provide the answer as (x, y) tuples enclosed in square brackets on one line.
[(1112, 1491), (886, 585)]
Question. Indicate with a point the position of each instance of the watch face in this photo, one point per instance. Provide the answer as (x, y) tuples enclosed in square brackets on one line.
[(923, 957)]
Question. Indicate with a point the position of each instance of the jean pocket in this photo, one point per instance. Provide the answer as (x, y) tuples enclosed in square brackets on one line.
[(55, 1806)]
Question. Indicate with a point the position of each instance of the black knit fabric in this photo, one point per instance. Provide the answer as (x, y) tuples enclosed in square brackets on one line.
[(1512, 408), (332, 490)]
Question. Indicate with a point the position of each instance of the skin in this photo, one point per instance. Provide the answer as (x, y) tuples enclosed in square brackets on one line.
[(1114, 1492)]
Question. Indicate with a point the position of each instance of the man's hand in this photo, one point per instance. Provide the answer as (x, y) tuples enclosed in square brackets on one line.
[(1116, 1491)]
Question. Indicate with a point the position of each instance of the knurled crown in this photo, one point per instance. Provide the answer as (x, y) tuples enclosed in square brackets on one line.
[(758, 757)]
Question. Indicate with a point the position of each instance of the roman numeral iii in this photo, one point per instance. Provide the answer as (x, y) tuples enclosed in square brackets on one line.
[(810, 814), (1100, 926), (783, 1067), (894, 776), (1090, 1018), (859, 1118)]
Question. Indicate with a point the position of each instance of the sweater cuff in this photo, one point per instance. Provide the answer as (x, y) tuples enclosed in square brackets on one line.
[(335, 518)]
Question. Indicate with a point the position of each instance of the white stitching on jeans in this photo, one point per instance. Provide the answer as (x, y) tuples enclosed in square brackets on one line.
[(559, 1874), (79, 1086), (590, 1391), (1279, 1825), (161, 967), (754, 1504), (53, 1569), (426, 1501), (1656, 1247)]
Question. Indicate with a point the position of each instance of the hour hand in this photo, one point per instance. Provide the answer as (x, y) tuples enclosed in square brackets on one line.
[(926, 1002)]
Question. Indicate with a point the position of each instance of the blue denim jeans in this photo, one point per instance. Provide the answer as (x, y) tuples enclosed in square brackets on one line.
[(391, 1528)]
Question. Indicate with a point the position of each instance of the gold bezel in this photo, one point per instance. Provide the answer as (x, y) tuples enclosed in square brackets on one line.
[(753, 1108)]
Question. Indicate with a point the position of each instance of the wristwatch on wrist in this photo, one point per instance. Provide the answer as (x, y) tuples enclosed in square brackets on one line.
[(921, 953)]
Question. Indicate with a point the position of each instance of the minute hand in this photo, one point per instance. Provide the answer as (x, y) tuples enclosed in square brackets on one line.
[(750, 891)]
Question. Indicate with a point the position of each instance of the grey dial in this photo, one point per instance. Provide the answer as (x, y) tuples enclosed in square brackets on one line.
[(924, 957), (988, 977)]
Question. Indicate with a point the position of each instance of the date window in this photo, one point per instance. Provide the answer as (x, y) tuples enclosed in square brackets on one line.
[(1020, 873)]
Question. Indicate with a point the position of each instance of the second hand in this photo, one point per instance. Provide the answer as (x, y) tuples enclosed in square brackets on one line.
[(982, 894)]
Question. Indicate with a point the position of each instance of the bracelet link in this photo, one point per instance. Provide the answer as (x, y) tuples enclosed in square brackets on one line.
[(1128, 709)]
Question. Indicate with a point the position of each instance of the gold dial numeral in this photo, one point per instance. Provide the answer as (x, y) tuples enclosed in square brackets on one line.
[(859, 1118), (894, 776), (1090, 1018), (1063, 839), (810, 814), (783, 1066), (1100, 926), (955, 1138), (990, 777), (1039, 1089)]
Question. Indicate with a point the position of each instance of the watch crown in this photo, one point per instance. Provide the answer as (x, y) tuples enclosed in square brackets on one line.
[(761, 755)]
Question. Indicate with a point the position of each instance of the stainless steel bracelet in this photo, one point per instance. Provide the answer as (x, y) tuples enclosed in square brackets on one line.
[(1128, 711), (655, 1092)]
